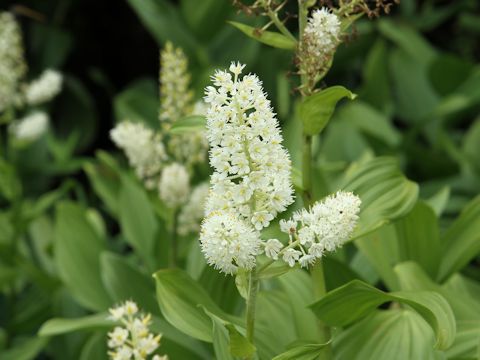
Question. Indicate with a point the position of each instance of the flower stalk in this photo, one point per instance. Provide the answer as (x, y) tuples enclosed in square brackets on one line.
[(251, 305)]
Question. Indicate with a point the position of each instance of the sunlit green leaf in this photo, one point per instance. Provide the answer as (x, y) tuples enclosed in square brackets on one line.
[(267, 37)]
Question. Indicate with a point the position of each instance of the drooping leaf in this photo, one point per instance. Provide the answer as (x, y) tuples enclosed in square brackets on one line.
[(77, 249), (418, 238), (137, 220), (188, 124), (123, 281), (220, 337), (274, 39), (27, 350), (180, 298), (316, 110), (461, 242), (356, 299), (59, 326), (386, 194), (239, 345)]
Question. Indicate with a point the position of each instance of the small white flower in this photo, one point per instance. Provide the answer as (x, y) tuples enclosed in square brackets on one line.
[(290, 256), (123, 353), (306, 260), (117, 313), (288, 226), (192, 212), (272, 248), (130, 308), (117, 337), (237, 68), (324, 29), (261, 219)]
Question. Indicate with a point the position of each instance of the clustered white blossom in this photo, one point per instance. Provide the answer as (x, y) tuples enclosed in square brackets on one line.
[(323, 31), (31, 127), (192, 212), (143, 148), (228, 242), (45, 88), (174, 185), (133, 339), (12, 62), (325, 227), (175, 96), (251, 182), (318, 43)]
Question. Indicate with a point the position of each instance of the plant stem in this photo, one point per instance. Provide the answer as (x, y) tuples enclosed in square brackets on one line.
[(174, 240), (316, 271), (280, 25), (251, 304)]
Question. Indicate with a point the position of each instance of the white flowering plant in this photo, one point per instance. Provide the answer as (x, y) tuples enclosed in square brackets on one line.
[(300, 237)]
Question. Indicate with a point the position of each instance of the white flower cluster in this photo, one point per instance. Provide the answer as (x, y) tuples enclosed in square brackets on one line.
[(174, 185), (31, 127), (143, 148), (327, 226), (45, 88), (323, 31), (12, 62), (133, 340), (229, 243), (175, 96), (192, 212), (251, 182)]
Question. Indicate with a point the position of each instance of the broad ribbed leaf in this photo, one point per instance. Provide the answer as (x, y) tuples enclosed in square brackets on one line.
[(274, 39), (385, 192), (392, 334), (461, 242), (356, 299), (181, 298), (316, 110), (59, 326)]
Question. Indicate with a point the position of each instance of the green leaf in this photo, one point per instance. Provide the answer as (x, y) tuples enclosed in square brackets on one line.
[(9, 183), (137, 220), (104, 178), (95, 347), (77, 249), (188, 124), (220, 336), (385, 192), (123, 281), (242, 281), (370, 121), (58, 326), (162, 19), (316, 110), (408, 40), (439, 200), (297, 286), (461, 242), (239, 345), (393, 334), (304, 351), (356, 299), (274, 39), (27, 350), (180, 298), (419, 239), (138, 103)]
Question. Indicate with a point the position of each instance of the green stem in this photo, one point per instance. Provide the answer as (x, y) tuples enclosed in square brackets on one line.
[(174, 240), (307, 193), (251, 304), (316, 271), (280, 25)]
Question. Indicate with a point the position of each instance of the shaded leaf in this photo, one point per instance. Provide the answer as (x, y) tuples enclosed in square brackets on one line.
[(274, 39)]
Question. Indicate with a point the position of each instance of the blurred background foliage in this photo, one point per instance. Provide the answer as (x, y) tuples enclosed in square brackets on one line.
[(416, 73)]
